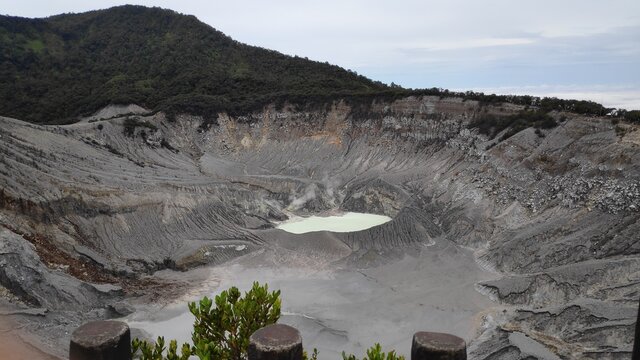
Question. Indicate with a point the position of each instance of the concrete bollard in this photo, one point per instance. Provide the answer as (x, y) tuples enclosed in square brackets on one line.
[(437, 346), (275, 342), (101, 340)]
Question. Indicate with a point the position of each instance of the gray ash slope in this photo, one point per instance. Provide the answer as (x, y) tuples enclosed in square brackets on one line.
[(554, 214)]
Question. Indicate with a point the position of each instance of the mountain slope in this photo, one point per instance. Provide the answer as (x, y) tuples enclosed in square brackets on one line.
[(67, 65), (54, 69)]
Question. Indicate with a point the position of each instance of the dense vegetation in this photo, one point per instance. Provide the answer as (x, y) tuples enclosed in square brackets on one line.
[(631, 116), (58, 68), (222, 328), (492, 125), (73, 64)]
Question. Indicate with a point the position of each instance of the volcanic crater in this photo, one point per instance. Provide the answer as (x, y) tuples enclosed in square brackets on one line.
[(516, 243)]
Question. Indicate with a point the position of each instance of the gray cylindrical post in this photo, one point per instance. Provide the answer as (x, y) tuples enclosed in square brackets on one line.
[(101, 340), (437, 346), (275, 342)]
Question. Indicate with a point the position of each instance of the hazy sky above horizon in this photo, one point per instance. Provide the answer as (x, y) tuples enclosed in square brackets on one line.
[(567, 48)]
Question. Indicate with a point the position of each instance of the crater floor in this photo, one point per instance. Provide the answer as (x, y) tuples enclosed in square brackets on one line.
[(431, 288)]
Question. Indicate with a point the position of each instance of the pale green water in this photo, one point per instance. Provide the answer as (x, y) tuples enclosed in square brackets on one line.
[(346, 222)]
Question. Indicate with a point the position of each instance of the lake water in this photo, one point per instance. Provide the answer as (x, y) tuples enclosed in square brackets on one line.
[(347, 222)]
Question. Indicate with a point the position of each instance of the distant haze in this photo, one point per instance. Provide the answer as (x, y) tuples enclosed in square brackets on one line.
[(584, 49)]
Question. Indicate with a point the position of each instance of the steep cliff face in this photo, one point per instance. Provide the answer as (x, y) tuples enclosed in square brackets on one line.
[(553, 212)]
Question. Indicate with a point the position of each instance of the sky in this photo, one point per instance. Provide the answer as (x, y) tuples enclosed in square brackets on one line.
[(585, 49)]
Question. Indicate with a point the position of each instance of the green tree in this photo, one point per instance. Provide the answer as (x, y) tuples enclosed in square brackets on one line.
[(375, 353), (228, 326), (221, 331), (155, 351)]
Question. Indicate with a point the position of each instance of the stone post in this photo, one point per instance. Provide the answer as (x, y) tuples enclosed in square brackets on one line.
[(275, 342), (101, 340), (437, 346)]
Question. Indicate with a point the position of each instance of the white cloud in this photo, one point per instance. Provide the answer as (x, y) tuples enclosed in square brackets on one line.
[(467, 44)]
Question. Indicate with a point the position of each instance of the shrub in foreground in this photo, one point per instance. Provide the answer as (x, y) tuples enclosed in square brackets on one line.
[(222, 326), (375, 353)]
